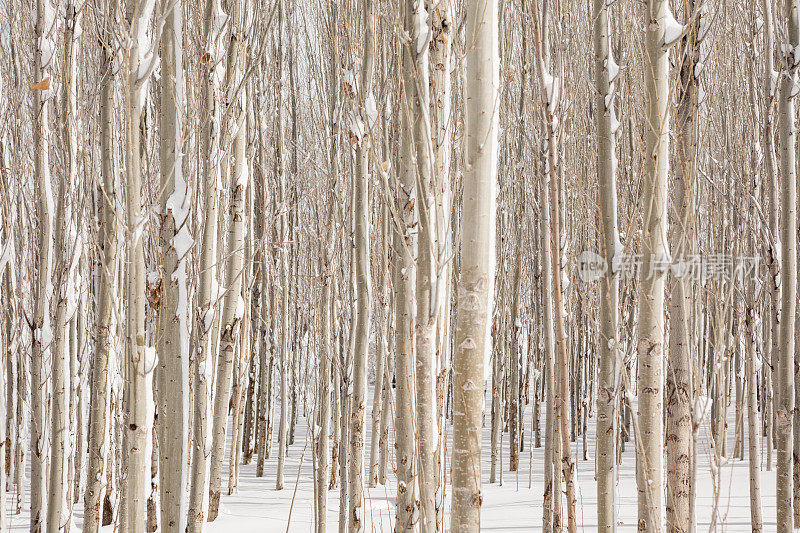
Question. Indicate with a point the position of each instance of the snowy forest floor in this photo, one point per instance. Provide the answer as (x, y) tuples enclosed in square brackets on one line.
[(510, 506)]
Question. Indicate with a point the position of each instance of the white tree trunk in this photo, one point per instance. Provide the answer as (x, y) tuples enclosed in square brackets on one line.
[(650, 349), (476, 279), (99, 437), (788, 271), (173, 328), (417, 105), (42, 335), (753, 435), (65, 260), (363, 285), (679, 397), (607, 126), (233, 306), (207, 291), (404, 274), (139, 409)]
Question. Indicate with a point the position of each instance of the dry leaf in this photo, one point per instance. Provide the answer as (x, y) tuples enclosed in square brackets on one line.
[(43, 85)]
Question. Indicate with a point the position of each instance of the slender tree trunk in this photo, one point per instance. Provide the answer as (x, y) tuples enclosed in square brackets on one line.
[(441, 131), (788, 273), (378, 412), (552, 174), (650, 348), (774, 260), (65, 262), (176, 242), (404, 283), (606, 71), (284, 270), (363, 286), (99, 426), (476, 279), (679, 372), (233, 305), (41, 334), (417, 103), (142, 358), (753, 455), (207, 292), (549, 516)]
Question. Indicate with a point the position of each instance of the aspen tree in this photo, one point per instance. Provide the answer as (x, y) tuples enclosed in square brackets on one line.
[(99, 427), (139, 409), (207, 290), (404, 276), (265, 361), (417, 105), (326, 348), (176, 242), (378, 411), (283, 206), (605, 75), (679, 371), (233, 307), (476, 279), (42, 333), (773, 258), (66, 258), (442, 19), (550, 514), (788, 269), (550, 88), (650, 347), (363, 286)]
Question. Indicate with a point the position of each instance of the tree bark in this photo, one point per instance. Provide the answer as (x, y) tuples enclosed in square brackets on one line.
[(173, 327), (207, 290), (650, 348), (139, 410), (45, 28), (65, 262), (788, 273), (233, 305), (679, 393), (404, 283), (476, 280), (363, 285), (606, 71)]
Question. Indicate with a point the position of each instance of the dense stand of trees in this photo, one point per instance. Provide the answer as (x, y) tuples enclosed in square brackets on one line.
[(223, 221)]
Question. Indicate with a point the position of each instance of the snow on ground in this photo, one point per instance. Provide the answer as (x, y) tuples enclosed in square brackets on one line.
[(510, 507)]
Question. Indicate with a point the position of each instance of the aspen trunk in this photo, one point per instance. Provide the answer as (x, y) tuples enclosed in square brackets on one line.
[(650, 348), (233, 306), (606, 71), (788, 274), (553, 169), (45, 28), (753, 454), (173, 327), (476, 279), (404, 282), (378, 412), (141, 357), (441, 131), (550, 447), (679, 395), (363, 286), (417, 104), (65, 262), (99, 426), (284, 266), (207, 291)]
